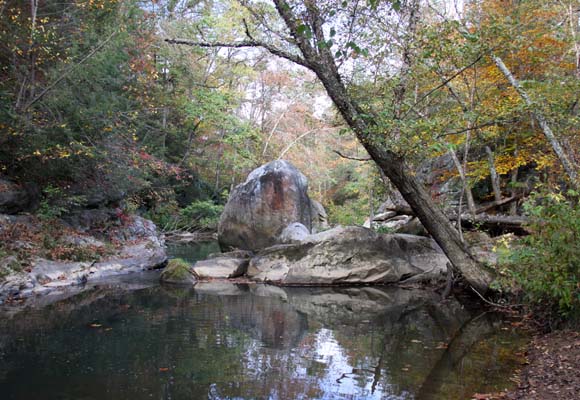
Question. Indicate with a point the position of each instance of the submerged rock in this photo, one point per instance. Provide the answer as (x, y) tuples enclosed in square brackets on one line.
[(350, 255), (178, 271), (272, 197)]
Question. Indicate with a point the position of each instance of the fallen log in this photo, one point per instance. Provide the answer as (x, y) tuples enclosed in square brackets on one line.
[(495, 204), (510, 223), (505, 223)]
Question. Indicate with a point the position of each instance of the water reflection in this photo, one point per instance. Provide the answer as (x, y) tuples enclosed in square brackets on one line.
[(193, 252), (220, 340)]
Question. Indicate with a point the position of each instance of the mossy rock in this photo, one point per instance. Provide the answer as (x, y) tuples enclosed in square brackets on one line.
[(178, 271)]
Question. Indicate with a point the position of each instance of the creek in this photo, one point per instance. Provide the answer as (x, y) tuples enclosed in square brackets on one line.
[(128, 337)]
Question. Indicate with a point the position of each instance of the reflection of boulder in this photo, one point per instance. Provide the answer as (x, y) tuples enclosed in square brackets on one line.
[(272, 197), (347, 255), (261, 312), (389, 306), (219, 288)]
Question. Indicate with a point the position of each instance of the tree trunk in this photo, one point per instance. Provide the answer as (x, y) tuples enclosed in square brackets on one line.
[(320, 60), (494, 176), (402, 176), (466, 188)]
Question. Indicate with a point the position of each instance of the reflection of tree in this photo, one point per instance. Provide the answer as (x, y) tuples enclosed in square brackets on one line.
[(472, 332)]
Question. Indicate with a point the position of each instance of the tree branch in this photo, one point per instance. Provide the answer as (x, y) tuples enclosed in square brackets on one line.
[(241, 44), (352, 158), (68, 71), (444, 83)]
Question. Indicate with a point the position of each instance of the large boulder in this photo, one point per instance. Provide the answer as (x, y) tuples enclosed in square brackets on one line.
[(272, 197), (350, 255)]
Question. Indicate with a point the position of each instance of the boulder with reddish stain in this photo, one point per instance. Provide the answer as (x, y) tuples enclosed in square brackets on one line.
[(272, 197)]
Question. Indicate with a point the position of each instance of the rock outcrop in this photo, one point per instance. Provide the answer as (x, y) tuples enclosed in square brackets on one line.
[(350, 255), (141, 248), (220, 268), (16, 198), (319, 216), (272, 197), (293, 233)]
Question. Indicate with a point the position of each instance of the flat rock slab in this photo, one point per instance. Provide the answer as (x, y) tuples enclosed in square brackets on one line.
[(350, 255), (221, 268)]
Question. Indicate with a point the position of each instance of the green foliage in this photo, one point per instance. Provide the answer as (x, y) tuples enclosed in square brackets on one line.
[(384, 229), (352, 212), (204, 213), (200, 214), (547, 266), (57, 203)]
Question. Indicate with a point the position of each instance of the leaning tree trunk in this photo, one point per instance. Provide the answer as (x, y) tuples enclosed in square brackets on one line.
[(320, 60), (413, 191)]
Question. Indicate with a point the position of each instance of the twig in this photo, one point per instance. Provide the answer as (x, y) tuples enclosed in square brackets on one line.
[(436, 88), (352, 158), (491, 303)]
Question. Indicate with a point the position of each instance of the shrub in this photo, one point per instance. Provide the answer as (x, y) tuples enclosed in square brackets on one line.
[(353, 212), (200, 214), (547, 264), (57, 203), (203, 214)]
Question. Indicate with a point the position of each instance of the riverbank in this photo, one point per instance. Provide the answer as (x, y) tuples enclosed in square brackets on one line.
[(552, 370), (38, 257)]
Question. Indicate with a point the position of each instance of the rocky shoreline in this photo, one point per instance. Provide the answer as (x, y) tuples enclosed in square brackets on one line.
[(133, 244)]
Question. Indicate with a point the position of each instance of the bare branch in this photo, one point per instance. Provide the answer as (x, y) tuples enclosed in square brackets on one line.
[(351, 157), (444, 83), (241, 44)]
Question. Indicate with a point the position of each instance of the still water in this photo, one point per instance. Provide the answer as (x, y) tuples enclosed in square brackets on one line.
[(129, 338)]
